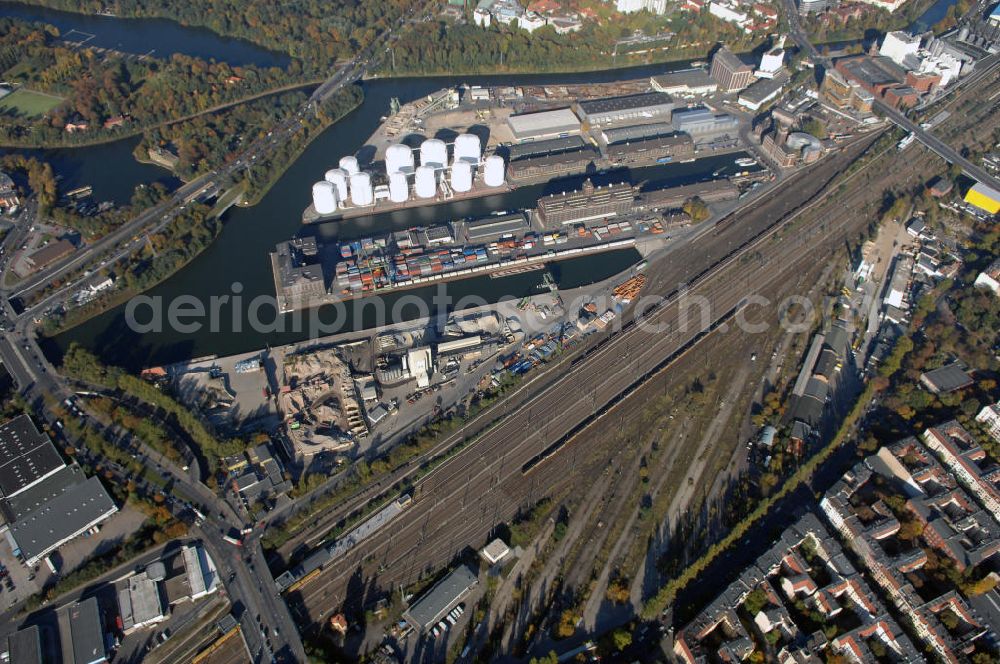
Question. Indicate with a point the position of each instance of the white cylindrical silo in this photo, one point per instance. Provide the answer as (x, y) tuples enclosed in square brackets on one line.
[(399, 189), (350, 164), (493, 171), (425, 182), (467, 148), (338, 177), (461, 176), (433, 153), (324, 197), (361, 189), (398, 157)]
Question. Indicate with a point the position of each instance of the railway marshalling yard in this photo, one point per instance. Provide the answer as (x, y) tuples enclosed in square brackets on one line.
[(579, 419)]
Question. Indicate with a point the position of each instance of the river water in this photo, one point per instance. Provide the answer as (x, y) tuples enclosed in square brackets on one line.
[(109, 168), (159, 37), (240, 254)]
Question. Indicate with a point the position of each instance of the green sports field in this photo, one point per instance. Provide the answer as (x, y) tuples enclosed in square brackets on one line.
[(28, 103)]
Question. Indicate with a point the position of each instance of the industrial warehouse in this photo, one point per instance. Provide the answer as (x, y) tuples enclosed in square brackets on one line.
[(45, 502), (580, 143), (530, 146)]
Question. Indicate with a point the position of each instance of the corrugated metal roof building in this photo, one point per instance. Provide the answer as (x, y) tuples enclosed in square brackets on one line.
[(543, 124), (442, 598), (626, 108)]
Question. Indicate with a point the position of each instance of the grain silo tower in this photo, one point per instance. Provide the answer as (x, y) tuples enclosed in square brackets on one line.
[(434, 153), (461, 176), (398, 158), (493, 171), (425, 182), (350, 164), (324, 197), (361, 189), (399, 189)]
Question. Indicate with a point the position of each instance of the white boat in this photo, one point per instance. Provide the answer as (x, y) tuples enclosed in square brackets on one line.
[(746, 161)]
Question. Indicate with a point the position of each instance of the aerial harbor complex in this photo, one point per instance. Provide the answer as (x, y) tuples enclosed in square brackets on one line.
[(500, 331), (590, 153)]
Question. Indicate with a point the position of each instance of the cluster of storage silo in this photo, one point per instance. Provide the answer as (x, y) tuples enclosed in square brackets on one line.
[(348, 183)]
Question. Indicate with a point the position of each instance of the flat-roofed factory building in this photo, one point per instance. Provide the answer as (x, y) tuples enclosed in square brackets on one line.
[(27, 457), (712, 191), (660, 149), (540, 125), (589, 203), (553, 165), (637, 131), (626, 108), (73, 512), (440, 599), (44, 502), (705, 125), (684, 83), (81, 636), (491, 228)]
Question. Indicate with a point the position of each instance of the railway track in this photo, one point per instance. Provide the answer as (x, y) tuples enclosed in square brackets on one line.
[(311, 536), (468, 494)]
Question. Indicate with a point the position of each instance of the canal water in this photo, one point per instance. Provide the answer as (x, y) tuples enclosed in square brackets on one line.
[(240, 254), (109, 168), (159, 37), (934, 13)]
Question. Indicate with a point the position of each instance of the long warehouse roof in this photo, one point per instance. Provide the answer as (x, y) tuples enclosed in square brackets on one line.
[(625, 102), (560, 118), (62, 518)]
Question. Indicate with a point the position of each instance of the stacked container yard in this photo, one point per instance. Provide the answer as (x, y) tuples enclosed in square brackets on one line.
[(366, 266)]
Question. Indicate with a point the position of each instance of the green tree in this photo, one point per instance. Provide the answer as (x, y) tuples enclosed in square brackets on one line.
[(696, 209), (621, 638)]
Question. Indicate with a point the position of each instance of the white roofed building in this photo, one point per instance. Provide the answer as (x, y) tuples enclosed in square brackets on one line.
[(898, 44), (419, 363)]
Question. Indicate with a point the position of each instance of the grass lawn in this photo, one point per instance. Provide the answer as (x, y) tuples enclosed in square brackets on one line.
[(28, 103)]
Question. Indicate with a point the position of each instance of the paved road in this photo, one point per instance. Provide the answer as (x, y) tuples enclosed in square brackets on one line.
[(267, 625), (984, 67), (485, 483), (943, 150)]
